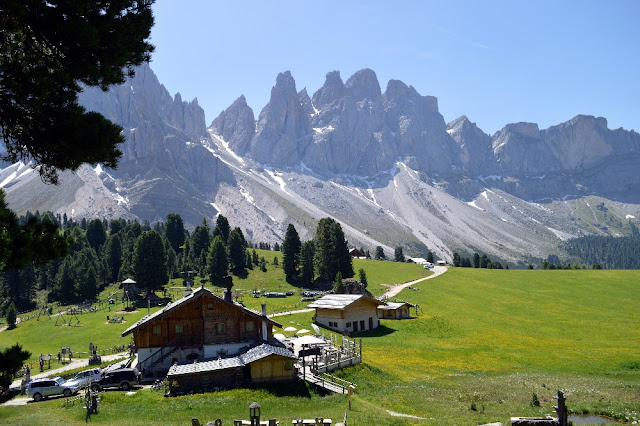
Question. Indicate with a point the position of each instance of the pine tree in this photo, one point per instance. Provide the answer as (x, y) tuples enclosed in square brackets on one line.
[(217, 261), (307, 254), (332, 254), (338, 285), (150, 261), (12, 316), (96, 235), (291, 253), (222, 228), (237, 250), (200, 240), (174, 231), (398, 255), (380, 253), (113, 256), (65, 282), (362, 275), (476, 260)]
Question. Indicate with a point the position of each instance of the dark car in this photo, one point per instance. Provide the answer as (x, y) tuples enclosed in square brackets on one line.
[(123, 378)]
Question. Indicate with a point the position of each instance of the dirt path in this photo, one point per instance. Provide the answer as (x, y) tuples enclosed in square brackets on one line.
[(394, 290), (437, 270)]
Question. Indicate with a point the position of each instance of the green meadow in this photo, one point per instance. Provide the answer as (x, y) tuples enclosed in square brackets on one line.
[(483, 343)]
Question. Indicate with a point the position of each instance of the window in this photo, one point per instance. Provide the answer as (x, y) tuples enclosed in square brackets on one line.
[(157, 330), (348, 325), (249, 326), (221, 328), (197, 306), (288, 365), (179, 329), (210, 306)]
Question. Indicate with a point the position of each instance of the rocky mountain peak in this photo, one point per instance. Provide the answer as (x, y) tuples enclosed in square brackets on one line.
[(475, 146), (282, 126), (364, 85), (398, 93), (236, 125), (529, 130), (332, 90)]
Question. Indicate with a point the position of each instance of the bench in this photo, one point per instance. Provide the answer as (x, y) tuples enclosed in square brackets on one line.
[(312, 422)]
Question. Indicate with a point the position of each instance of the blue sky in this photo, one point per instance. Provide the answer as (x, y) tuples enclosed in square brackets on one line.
[(497, 62)]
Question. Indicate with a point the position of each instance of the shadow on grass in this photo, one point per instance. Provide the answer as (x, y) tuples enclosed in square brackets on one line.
[(241, 273), (382, 330), (295, 388)]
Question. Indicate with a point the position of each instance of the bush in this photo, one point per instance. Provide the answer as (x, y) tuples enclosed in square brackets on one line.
[(535, 402)]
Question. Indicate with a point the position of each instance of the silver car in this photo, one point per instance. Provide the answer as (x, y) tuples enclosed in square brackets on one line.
[(84, 378), (42, 388)]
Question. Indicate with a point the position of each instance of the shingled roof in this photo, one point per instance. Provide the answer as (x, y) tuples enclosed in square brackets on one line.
[(195, 294), (341, 301), (254, 354)]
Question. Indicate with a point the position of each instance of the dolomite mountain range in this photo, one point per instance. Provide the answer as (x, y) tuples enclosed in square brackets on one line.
[(386, 165)]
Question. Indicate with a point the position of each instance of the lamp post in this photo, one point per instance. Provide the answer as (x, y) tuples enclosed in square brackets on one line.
[(254, 414)]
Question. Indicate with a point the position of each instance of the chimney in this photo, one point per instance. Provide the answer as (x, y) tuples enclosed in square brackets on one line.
[(264, 322), (228, 283)]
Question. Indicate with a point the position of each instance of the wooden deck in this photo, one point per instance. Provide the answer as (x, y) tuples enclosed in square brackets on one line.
[(329, 383)]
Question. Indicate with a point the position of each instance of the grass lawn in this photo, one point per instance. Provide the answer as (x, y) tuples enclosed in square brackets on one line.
[(483, 343)]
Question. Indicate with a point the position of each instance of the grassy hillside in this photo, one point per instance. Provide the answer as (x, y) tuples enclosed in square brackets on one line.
[(483, 343)]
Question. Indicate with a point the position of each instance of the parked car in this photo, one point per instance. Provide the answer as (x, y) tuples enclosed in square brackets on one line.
[(123, 378), (428, 265), (84, 378), (42, 388)]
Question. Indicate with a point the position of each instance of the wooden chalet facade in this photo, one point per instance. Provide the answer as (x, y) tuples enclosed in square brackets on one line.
[(199, 327), (347, 313)]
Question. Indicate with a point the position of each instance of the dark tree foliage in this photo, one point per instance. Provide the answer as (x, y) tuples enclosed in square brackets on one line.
[(237, 250), (362, 276), (12, 316), (222, 228), (47, 50), (18, 286), (338, 285), (113, 257), (116, 225), (150, 261), (476, 260), (332, 253), (200, 240), (11, 360), (217, 261), (457, 260), (65, 284), (398, 255), (174, 231), (380, 253), (607, 252), (96, 234), (31, 241), (307, 270), (291, 253), (430, 257)]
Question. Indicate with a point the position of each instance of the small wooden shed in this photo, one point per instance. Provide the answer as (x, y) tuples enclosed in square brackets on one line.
[(264, 363), (394, 310)]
